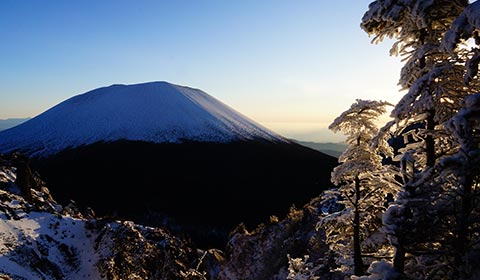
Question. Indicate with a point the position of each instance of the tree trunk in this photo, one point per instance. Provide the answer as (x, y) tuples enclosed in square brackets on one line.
[(24, 178), (429, 140), (430, 123), (399, 259), (462, 226), (357, 250)]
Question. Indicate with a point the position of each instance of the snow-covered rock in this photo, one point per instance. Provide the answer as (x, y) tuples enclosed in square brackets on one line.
[(157, 112), (265, 252), (40, 239)]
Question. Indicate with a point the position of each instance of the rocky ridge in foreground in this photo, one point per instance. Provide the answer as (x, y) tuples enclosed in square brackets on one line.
[(40, 239)]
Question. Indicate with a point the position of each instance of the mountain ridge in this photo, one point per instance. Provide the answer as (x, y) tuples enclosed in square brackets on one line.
[(329, 148)]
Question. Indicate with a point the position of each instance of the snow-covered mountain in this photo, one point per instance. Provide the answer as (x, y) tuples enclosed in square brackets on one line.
[(157, 112), (162, 150)]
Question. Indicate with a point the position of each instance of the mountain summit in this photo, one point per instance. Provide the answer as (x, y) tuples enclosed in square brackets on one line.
[(157, 112)]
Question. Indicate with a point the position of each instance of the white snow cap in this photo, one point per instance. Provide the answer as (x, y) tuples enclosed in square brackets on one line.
[(157, 112)]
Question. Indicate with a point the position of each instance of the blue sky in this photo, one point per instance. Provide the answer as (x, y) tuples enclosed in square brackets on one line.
[(292, 66)]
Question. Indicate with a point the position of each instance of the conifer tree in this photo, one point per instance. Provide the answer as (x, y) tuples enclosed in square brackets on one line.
[(433, 80), (363, 186), (459, 175), (460, 171)]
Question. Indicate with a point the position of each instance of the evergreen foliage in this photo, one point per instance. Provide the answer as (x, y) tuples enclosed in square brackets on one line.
[(363, 187), (433, 222)]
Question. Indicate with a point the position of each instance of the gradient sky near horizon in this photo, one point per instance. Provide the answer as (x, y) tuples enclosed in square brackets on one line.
[(292, 66)]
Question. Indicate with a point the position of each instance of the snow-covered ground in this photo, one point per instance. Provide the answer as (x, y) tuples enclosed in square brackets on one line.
[(41, 244), (39, 236), (153, 112)]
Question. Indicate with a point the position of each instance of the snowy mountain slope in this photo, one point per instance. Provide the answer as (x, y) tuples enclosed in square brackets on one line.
[(153, 112)]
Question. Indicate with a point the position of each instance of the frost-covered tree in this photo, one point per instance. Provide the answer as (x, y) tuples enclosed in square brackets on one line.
[(363, 186), (433, 80), (301, 269), (459, 175), (429, 75), (446, 210), (460, 171), (464, 30)]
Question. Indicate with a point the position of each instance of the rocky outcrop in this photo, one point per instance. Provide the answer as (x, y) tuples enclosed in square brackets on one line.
[(40, 239), (130, 251), (264, 252)]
